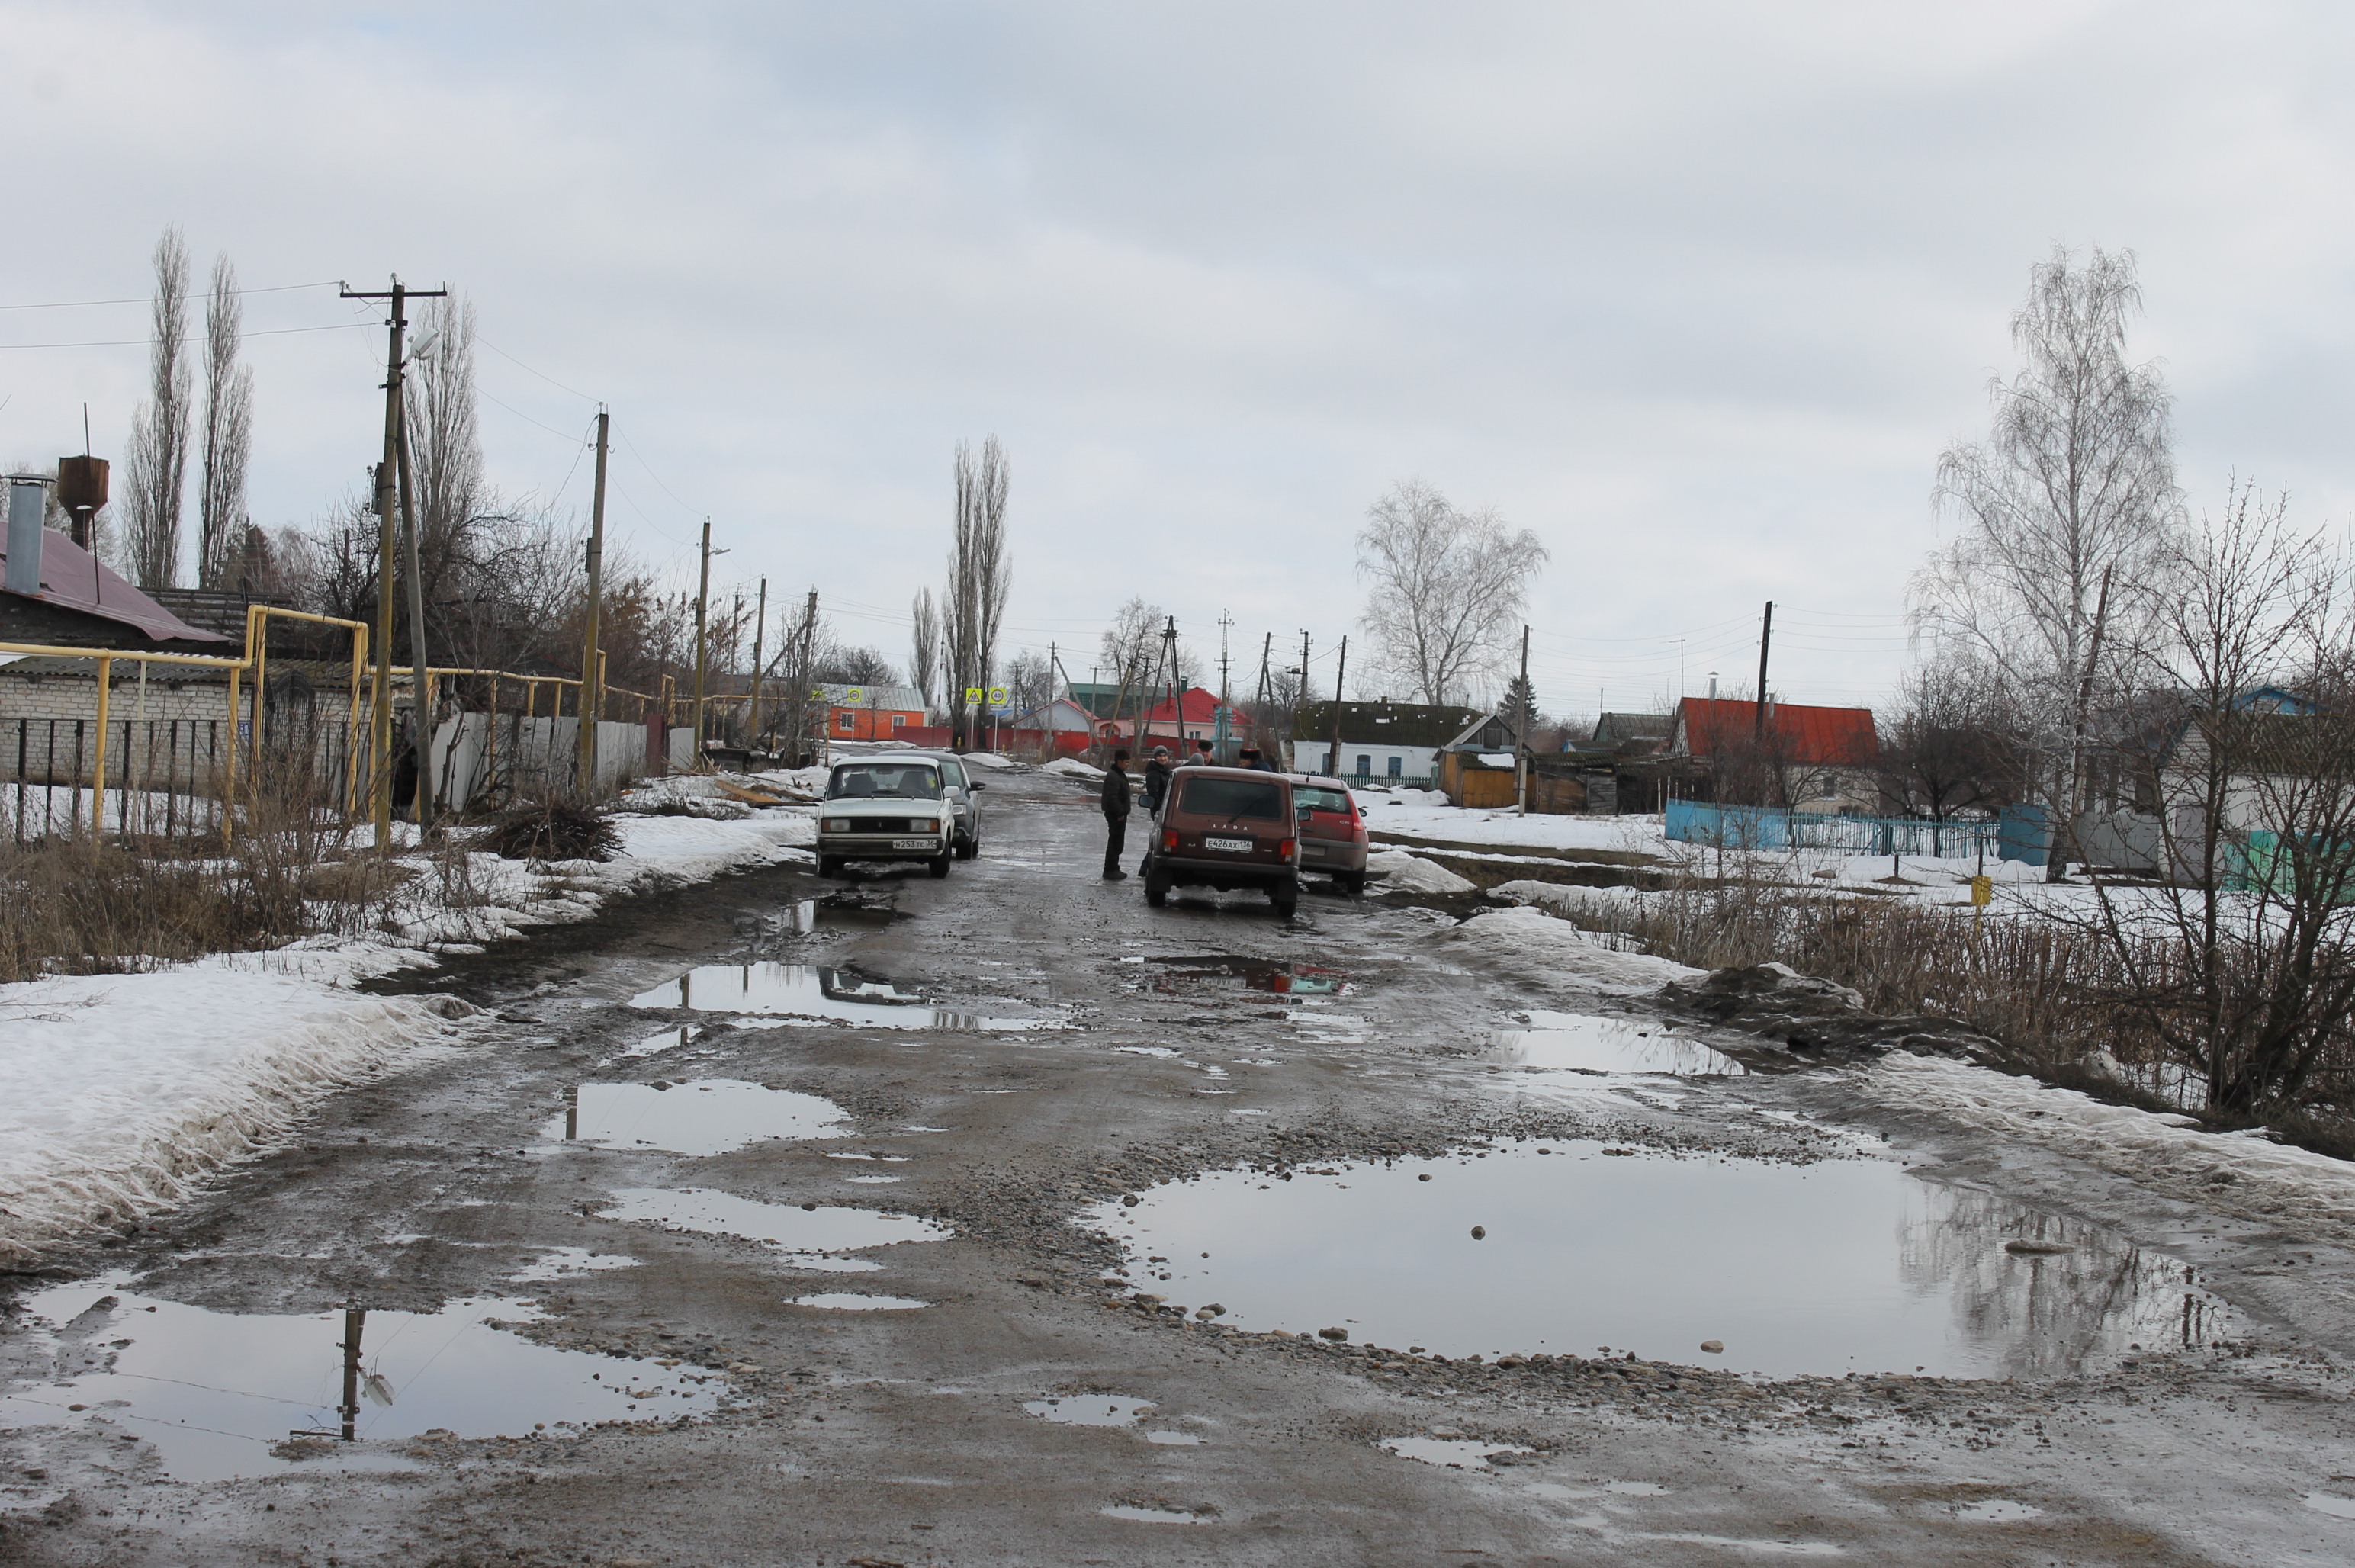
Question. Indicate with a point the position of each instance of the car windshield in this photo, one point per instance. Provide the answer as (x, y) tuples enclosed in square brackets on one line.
[(1232, 798), (884, 781), (1321, 799)]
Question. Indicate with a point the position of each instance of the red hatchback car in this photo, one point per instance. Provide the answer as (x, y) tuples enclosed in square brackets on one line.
[(1332, 830)]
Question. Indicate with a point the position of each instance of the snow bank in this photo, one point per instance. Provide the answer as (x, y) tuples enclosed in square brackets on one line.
[(1073, 768), (1556, 950), (2239, 1173), (990, 760), (119, 1092), (1405, 873)]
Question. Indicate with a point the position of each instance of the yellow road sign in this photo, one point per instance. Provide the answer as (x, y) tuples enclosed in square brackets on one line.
[(998, 697), (972, 696), (1982, 889)]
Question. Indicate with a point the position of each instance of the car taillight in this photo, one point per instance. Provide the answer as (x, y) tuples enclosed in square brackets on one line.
[(1168, 840), (1288, 848)]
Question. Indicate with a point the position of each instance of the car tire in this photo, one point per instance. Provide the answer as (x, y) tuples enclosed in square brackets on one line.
[(1157, 889), (1286, 907), (939, 864), (966, 848), (1353, 883), (829, 865)]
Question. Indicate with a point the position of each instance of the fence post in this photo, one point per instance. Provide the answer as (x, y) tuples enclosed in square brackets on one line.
[(98, 765), (229, 783)]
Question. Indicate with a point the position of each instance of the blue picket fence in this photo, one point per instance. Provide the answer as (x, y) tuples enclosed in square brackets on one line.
[(1763, 827)]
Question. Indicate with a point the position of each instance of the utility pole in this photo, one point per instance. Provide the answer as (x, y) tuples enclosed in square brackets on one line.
[(1177, 708), (1766, 635), (420, 728), (1521, 728), (702, 609), (759, 630), (386, 481), (1225, 701), (1340, 671), (590, 652)]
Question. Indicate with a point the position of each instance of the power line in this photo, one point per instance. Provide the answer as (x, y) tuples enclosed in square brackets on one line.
[(541, 374), (150, 299), (192, 337)]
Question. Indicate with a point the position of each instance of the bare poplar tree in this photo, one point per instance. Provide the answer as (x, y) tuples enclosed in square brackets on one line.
[(2075, 485), (156, 458), (444, 448), (925, 660), (979, 574), (221, 521), (1448, 587)]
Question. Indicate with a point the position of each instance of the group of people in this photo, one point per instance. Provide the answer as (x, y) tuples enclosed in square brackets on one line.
[(1157, 769)]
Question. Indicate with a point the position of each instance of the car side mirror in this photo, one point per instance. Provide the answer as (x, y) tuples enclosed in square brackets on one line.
[(1303, 813), (976, 785), (1361, 811)]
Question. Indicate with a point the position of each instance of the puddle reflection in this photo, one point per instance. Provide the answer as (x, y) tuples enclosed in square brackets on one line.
[(710, 1116), (1221, 971), (1576, 1042), (1844, 1265), (215, 1392), (811, 1235), (813, 991)]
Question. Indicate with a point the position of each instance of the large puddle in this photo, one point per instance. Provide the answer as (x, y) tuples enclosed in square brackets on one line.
[(814, 993), (1579, 1043), (1839, 1266), (816, 1237), (711, 1115), (220, 1394)]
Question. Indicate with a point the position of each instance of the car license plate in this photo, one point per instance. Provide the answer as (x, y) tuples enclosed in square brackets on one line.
[(1237, 846), (913, 844)]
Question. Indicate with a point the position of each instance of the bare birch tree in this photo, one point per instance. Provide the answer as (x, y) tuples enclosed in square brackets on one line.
[(1448, 587), (222, 520), (924, 650), (979, 576), (2073, 486), (156, 458)]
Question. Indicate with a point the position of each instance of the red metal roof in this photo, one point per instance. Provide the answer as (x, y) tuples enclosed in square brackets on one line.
[(73, 579), (1201, 707), (1811, 737)]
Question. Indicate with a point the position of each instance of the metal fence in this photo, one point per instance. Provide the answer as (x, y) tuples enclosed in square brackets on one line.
[(1763, 827), (164, 776)]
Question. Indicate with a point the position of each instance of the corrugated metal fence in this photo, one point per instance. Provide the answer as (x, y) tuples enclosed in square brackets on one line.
[(1763, 827)]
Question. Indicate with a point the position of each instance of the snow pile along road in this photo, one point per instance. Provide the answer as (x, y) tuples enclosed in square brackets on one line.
[(2241, 1174), (1073, 768), (1556, 951), (119, 1092), (1404, 873)]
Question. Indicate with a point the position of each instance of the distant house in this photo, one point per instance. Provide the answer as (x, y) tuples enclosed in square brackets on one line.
[(1634, 734), (869, 712), (1112, 709), (1381, 743), (1804, 758), (1194, 717), (1480, 766), (1060, 717)]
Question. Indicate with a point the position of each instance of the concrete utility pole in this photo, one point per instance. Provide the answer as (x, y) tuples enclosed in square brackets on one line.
[(592, 664), (421, 730), (759, 630), (1340, 671), (1765, 636), (1521, 730), (387, 474), (702, 610), (1225, 699)]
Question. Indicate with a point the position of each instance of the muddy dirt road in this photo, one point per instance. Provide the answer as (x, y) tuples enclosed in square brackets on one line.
[(995, 1221)]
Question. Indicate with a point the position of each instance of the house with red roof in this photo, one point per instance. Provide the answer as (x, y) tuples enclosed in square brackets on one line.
[(1799, 757)]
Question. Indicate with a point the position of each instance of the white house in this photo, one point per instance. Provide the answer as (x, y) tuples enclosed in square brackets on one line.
[(1372, 760)]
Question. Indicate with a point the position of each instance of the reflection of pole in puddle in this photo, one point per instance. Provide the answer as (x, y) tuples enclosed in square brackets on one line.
[(573, 1106), (684, 982), (354, 1321)]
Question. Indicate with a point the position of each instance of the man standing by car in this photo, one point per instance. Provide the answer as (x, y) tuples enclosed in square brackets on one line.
[(1199, 757), (1116, 810), (1156, 790)]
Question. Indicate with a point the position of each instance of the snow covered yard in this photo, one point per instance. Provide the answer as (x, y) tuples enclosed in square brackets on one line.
[(119, 1092)]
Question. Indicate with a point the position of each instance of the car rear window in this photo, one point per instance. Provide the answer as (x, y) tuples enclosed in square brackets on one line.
[(1232, 798), (1321, 799)]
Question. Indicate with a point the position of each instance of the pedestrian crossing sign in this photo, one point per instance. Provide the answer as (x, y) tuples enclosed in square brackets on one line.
[(972, 696)]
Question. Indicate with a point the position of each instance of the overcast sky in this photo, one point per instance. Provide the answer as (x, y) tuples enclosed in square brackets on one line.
[(1698, 293)]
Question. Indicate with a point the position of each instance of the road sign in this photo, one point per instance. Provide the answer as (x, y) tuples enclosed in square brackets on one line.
[(998, 697), (856, 696), (1982, 889), (972, 696)]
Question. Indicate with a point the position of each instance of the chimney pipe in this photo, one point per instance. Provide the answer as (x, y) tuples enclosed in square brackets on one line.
[(27, 500)]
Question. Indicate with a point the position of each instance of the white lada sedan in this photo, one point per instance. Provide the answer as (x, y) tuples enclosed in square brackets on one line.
[(886, 808)]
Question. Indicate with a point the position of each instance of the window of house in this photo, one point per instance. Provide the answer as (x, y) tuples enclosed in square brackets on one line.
[(1398, 767), (846, 721), (899, 721), (1364, 764)]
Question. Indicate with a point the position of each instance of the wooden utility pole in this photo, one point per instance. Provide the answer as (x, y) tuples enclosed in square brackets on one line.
[(1765, 636), (387, 474), (702, 609), (759, 632), (1339, 672), (1521, 728), (592, 662)]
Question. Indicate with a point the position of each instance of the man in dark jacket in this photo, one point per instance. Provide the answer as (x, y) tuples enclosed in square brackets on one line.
[(1156, 790), (1252, 760), (1116, 810)]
